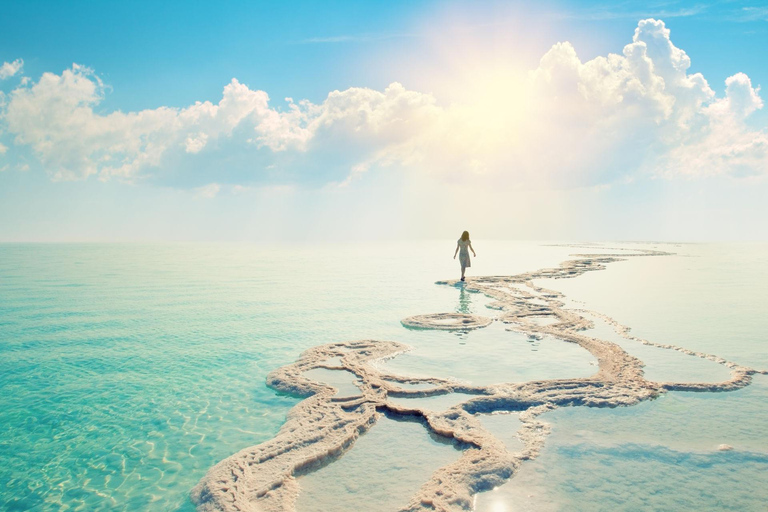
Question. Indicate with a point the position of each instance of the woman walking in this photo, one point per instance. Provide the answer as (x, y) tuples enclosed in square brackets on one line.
[(465, 244)]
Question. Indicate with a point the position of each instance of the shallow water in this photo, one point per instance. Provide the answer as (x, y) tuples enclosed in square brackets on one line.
[(663, 454), (343, 381), (433, 403), (385, 467), (489, 355), (128, 370), (708, 297), (662, 365), (504, 427), (633, 477)]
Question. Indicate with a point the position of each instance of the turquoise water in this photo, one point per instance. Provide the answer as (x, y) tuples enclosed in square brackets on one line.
[(128, 370)]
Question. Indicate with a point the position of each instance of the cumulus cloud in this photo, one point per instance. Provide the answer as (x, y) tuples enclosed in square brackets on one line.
[(9, 69), (726, 144), (741, 99), (55, 117), (571, 123), (642, 110)]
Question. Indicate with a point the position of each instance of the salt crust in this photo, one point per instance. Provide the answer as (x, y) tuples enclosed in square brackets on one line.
[(322, 427), (447, 321)]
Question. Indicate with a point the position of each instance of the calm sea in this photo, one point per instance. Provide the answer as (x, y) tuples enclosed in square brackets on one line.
[(126, 371)]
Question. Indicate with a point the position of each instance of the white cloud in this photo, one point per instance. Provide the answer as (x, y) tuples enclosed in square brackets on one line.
[(9, 69), (642, 110), (750, 14), (3, 149), (618, 11), (571, 123), (56, 117), (726, 144), (208, 191), (741, 99), (195, 143)]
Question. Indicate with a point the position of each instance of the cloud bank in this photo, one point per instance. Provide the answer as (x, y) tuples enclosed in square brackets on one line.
[(568, 124)]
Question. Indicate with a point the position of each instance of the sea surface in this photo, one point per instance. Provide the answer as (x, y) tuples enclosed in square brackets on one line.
[(126, 371)]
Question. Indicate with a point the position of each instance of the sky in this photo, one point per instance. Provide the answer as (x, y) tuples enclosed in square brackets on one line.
[(294, 122)]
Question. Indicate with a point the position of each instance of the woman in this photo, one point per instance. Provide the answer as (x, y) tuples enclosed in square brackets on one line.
[(463, 243)]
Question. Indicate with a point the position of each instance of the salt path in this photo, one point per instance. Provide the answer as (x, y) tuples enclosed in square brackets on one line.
[(323, 426)]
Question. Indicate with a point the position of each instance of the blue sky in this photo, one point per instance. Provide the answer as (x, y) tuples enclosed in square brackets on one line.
[(481, 130)]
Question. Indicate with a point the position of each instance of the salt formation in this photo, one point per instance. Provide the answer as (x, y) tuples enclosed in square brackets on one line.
[(447, 321), (322, 427)]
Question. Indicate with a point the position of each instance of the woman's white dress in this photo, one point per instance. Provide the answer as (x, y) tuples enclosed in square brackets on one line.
[(464, 252)]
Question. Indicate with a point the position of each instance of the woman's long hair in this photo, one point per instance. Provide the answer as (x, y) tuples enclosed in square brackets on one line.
[(465, 236)]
